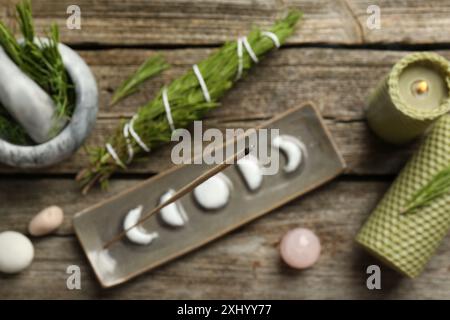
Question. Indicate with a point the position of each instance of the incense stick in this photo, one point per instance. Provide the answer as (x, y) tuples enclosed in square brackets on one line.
[(182, 192)]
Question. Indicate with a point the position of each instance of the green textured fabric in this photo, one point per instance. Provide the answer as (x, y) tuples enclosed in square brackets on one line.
[(407, 241), (392, 119)]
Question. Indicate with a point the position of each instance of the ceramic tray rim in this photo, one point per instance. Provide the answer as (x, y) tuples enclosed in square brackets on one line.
[(225, 230)]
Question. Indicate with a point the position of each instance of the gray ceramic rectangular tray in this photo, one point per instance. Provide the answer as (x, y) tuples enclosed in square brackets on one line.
[(125, 260)]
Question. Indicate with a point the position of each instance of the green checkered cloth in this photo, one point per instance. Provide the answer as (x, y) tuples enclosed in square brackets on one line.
[(406, 241), (391, 118)]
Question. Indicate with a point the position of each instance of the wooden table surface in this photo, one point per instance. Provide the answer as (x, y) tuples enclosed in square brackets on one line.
[(333, 60)]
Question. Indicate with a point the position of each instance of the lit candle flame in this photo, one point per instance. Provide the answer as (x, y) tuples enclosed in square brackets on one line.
[(420, 87)]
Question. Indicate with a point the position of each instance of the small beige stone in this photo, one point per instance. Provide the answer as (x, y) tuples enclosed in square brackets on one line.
[(46, 221)]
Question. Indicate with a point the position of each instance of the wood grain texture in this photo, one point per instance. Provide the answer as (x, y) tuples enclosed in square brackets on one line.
[(362, 151), (243, 264), (179, 22), (337, 81), (406, 22)]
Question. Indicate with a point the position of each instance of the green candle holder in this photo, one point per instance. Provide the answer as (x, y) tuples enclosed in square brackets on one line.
[(413, 95), (406, 241)]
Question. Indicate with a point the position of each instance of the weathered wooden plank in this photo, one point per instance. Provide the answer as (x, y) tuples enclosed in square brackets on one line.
[(244, 264), (3, 13), (135, 22), (362, 151), (37, 193), (337, 81), (407, 22), (6, 12)]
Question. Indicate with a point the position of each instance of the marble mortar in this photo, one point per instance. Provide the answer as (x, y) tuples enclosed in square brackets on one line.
[(74, 133)]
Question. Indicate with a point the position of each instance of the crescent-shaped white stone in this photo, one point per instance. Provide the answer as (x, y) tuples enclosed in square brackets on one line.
[(293, 150), (137, 234), (251, 171), (173, 214)]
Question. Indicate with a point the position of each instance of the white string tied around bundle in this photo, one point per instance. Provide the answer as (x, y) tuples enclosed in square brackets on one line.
[(202, 83), (126, 135), (166, 103), (128, 129), (242, 43), (114, 155), (135, 136), (272, 37)]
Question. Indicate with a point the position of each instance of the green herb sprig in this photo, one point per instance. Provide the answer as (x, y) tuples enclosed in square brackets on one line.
[(11, 131), (438, 186), (149, 69), (186, 101), (42, 63)]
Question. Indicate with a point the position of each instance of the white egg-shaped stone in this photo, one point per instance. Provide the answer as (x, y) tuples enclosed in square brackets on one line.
[(214, 193), (16, 252), (173, 214), (46, 221)]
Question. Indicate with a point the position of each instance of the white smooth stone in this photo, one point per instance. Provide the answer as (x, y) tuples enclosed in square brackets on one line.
[(214, 193), (251, 171), (292, 148), (137, 235), (105, 262), (46, 221), (173, 214), (16, 252)]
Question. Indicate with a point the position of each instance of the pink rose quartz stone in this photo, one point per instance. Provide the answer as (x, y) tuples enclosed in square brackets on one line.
[(300, 248)]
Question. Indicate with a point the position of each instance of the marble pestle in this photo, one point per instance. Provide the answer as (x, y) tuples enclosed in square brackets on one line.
[(27, 102)]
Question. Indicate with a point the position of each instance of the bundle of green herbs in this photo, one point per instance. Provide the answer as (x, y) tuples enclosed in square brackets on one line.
[(42, 63), (150, 68), (187, 102)]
